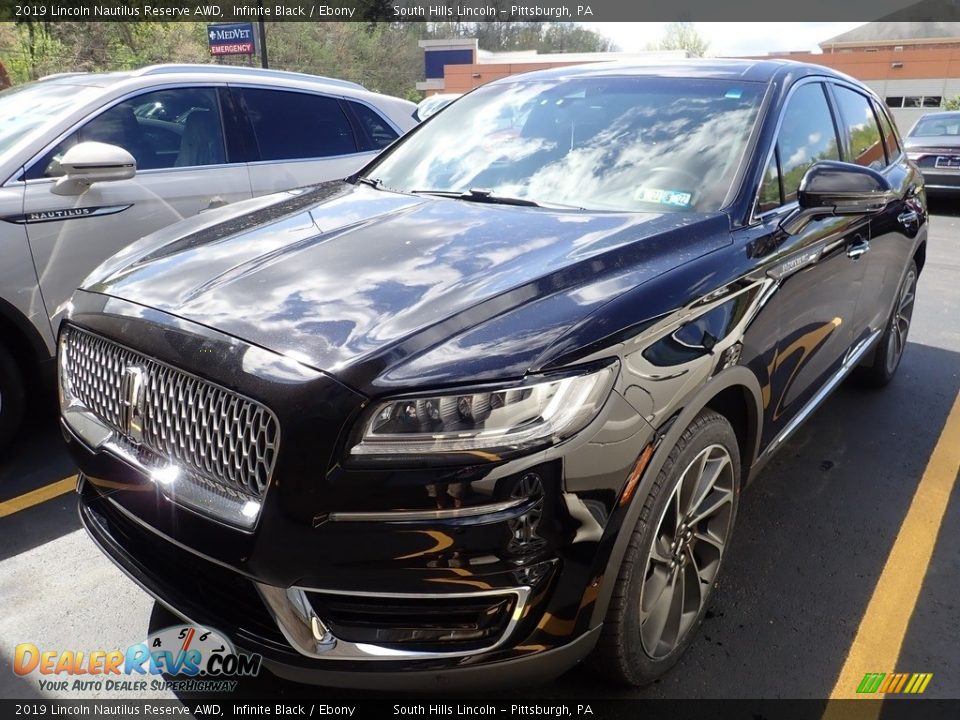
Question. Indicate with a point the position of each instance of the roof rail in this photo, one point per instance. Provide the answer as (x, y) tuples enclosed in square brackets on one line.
[(57, 76), (237, 70)]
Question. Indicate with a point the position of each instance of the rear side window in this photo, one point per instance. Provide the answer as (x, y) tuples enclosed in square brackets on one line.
[(378, 132), (889, 134), (807, 135), (297, 126), (860, 126)]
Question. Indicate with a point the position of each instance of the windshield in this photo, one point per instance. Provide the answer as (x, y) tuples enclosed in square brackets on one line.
[(622, 143), (29, 107), (943, 126)]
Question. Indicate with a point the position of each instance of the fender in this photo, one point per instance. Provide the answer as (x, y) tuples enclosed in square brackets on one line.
[(667, 436)]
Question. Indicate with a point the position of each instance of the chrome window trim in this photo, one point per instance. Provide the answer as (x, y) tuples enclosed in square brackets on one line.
[(146, 173), (322, 158)]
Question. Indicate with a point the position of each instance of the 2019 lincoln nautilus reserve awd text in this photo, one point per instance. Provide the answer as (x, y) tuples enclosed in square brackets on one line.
[(486, 408)]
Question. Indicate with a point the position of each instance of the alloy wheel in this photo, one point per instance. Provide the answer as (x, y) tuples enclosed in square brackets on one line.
[(900, 322), (686, 550)]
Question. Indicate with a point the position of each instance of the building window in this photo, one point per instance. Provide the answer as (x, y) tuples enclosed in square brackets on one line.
[(914, 101)]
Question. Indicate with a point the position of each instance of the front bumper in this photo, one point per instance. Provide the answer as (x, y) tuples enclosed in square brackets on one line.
[(508, 577), (210, 595)]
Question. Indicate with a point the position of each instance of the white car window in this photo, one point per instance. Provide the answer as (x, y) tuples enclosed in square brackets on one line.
[(293, 125), (178, 127)]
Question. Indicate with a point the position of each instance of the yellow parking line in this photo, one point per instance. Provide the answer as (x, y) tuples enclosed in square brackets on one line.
[(879, 638), (35, 497)]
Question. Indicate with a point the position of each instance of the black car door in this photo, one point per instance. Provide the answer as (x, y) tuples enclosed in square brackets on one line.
[(818, 271), (870, 140)]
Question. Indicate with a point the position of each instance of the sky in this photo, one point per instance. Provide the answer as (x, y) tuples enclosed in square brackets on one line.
[(742, 38)]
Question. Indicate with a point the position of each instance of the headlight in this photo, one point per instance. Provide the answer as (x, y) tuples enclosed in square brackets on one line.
[(485, 423)]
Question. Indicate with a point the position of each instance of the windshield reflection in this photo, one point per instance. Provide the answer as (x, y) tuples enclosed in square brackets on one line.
[(620, 143)]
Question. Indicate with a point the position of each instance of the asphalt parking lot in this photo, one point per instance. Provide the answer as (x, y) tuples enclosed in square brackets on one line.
[(844, 559)]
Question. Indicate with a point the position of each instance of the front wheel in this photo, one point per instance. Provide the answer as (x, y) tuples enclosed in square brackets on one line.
[(670, 570)]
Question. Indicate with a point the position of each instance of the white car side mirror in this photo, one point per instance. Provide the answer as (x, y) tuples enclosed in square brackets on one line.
[(89, 162)]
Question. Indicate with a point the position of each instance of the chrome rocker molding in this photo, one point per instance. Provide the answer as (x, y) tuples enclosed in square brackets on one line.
[(308, 634), (853, 357)]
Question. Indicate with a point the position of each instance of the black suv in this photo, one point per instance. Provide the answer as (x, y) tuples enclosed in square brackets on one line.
[(487, 408)]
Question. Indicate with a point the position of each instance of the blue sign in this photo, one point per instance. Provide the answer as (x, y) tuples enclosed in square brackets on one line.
[(231, 38)]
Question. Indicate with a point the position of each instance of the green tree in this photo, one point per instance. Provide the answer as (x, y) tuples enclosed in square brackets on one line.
[(682, 36), (952, 103)]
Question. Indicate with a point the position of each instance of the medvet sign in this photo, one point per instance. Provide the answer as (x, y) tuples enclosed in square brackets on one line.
[(231, 39)]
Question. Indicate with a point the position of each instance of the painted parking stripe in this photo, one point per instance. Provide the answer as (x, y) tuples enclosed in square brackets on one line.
[(879, 638), (35, 497)]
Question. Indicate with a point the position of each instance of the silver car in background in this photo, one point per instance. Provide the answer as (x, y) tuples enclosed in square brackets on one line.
[(934, 145), (91, 162)]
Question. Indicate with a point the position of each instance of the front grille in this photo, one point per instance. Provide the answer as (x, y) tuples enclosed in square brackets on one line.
[(212, 433)]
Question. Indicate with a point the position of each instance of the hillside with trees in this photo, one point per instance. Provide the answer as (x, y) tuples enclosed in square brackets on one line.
[(384, 57)]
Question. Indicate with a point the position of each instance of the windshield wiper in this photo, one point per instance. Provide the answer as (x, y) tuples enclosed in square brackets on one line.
[(479, 195), (372, 182)]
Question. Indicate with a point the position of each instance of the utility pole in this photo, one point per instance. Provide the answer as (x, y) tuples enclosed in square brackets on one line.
[(263, 37)]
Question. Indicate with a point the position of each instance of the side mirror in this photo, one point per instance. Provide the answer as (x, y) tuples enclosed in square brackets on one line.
[(830, 187), (89, 162)]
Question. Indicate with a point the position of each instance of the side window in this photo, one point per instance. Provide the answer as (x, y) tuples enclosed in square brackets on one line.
[(860, 126), (294, 126), (378, 132), (178, 127), (889, 134), (807, 135), (770, 196)]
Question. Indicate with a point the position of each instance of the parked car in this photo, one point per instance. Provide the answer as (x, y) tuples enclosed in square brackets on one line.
[(433, 104), (487, 408), (933, 143), (91, 162)]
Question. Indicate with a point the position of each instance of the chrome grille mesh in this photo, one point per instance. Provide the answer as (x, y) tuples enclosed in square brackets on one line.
[(209, 431)]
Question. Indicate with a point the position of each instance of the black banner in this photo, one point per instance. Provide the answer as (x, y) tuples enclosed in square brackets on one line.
[(478, 10), (599, 709)]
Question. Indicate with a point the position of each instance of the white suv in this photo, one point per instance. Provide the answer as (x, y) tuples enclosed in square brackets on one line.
[(91, 162)]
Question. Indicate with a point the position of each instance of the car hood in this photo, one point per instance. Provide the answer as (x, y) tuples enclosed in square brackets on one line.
[(377, 286)]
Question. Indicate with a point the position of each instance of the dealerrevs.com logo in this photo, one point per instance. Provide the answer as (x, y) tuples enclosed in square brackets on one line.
[(189, 657)]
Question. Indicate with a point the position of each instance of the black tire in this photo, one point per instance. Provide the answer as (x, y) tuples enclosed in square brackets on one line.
[(621, 655), (881, 368), (11, 397)]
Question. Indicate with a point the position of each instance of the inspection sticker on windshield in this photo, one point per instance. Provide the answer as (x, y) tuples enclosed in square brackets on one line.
[(675, 198)]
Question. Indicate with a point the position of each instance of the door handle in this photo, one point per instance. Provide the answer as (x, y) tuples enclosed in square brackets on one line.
[(858, 248), (908, 218)]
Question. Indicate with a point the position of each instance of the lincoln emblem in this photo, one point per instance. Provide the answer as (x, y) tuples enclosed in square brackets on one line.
[(131, 403)]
